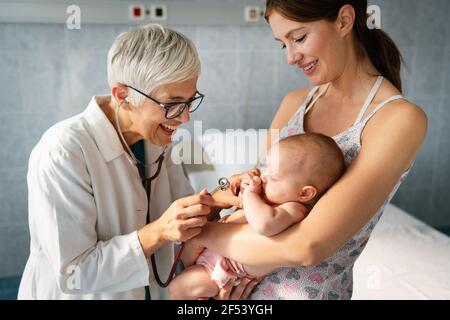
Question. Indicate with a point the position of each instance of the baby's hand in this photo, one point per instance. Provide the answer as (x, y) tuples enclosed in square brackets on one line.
[(253, 184), (236, 180), (245, 182)]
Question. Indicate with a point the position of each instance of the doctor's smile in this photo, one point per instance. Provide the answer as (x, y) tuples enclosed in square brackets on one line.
[(283, 213), (152, 120)]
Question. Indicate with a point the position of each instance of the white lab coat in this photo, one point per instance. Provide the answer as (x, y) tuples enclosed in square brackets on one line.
[(86, 203)]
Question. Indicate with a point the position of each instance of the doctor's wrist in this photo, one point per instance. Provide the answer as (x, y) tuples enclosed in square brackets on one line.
[(151, 238)]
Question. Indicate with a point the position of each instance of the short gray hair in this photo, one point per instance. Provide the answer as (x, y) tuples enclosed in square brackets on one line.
[(150, 56)]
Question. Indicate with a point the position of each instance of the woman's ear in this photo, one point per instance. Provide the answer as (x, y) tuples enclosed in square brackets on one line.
[(346, 20), (307, 194), (120, 94)]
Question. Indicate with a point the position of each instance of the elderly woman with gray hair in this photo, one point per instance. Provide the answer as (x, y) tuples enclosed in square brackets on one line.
[(93, 228)]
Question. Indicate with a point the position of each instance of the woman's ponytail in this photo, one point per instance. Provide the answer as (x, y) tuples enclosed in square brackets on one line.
[(384, 55)]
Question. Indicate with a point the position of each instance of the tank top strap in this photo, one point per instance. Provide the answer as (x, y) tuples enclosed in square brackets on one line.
[(369, 99), (309, 97), (382, 105), (311, 102)]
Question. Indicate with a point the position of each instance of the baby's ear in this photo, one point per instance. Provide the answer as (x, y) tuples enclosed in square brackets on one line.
[(307, 194)]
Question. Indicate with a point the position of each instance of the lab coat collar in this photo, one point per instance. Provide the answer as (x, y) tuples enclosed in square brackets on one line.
[(104, 133)]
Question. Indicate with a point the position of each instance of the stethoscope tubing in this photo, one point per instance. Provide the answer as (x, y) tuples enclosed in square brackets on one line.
[(224, 185)]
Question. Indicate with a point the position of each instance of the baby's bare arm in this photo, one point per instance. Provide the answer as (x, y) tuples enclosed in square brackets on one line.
[(286, 215), (271, 220)]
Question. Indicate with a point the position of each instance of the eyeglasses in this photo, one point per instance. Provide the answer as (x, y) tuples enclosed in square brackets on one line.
[(175, 109)]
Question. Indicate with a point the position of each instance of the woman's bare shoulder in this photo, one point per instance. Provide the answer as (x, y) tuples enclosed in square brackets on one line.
[(401, 116), (411, 117), (404, 111), (290, 104), (401, 108), (296, 97)]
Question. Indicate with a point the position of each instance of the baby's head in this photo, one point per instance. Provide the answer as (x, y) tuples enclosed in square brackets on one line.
[(302, 168)]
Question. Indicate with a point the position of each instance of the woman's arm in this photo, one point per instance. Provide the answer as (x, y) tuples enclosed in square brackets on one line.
[(390, 143), (64, 206)]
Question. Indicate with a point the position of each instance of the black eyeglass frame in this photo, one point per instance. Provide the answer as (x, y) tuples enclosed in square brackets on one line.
[(168, 106)]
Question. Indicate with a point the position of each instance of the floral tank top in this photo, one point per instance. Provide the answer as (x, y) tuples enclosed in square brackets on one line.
[(332, 279)]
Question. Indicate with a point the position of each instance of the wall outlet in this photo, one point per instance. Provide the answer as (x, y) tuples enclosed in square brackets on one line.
[(136, 12), (158, 12), (252, 13)]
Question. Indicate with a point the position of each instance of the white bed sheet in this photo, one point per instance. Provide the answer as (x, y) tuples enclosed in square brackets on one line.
[(404, 259)]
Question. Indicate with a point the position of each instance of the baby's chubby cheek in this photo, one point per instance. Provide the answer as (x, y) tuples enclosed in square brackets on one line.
[(271, 194)]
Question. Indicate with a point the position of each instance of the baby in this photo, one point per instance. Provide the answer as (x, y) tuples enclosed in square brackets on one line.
[(300, 169)]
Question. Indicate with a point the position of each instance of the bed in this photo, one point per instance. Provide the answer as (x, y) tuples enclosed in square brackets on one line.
[(405, 259)]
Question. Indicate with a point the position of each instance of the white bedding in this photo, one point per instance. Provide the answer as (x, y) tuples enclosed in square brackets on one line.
[(404, 259)]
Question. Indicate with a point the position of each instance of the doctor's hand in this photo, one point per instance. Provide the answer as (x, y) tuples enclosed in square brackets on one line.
[(226, 199), (182, 221), (185, 217)]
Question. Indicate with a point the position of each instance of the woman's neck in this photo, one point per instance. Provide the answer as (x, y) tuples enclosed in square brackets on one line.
[(109, 109), (355, 80)]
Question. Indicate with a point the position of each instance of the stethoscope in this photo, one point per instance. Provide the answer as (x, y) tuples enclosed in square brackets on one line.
[(223, 185)]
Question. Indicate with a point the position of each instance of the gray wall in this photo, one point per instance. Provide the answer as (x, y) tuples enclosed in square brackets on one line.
[(48, 73)]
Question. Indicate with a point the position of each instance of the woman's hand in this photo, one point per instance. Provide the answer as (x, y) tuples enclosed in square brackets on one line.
[(240, 292), (182, 221), (235, 180)]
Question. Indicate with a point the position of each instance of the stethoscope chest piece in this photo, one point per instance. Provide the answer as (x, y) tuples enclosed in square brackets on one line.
[(224, 184)]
